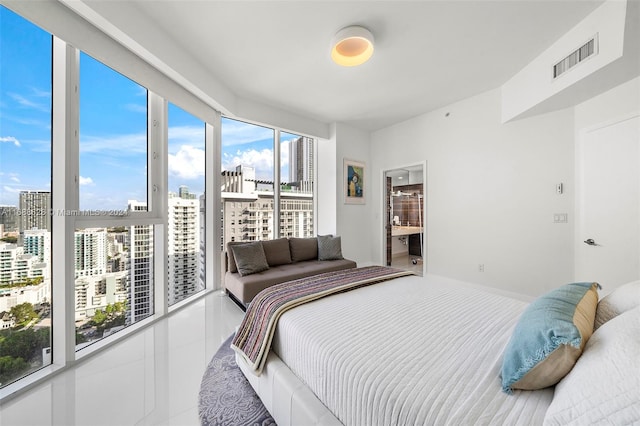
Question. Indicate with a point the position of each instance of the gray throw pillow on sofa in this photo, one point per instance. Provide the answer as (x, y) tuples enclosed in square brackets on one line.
[(231, 261), (329, 247), (250, 258), (303, 249), (277, 251)]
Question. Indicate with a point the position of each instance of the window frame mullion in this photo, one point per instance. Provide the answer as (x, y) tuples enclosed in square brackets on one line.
[(65, 190), (158, 181)]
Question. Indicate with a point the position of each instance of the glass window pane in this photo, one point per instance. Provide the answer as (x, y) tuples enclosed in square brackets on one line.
[(113, 279), (25, 197), (113, 138), (247, 181), (113, 266), (185, 234), (297, 164)]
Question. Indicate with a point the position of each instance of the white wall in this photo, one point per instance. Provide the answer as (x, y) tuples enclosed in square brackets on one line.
[(326, 184), (490, 193), (611, 105), (354, 222)]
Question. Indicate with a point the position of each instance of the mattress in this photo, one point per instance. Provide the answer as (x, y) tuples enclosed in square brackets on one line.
[(409, 351)]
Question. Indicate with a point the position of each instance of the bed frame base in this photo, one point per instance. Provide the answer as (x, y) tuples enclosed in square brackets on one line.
[(289, 401)]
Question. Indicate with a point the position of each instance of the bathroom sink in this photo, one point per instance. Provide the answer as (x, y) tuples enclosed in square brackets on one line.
[(397, 230)]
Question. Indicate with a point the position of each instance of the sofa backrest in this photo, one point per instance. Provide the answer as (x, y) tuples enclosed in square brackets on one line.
[(277, 251), (280, 251), (303, 249)]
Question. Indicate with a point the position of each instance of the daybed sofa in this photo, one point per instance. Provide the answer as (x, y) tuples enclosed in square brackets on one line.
[(256, 265)]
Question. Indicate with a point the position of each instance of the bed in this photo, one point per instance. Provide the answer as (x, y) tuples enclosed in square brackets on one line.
[(408, 350)]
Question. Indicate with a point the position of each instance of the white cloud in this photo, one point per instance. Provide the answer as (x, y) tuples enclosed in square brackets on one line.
[(187, 163), (10, 139), (14, 177), (262, 161), (86, 180), (284, 153)]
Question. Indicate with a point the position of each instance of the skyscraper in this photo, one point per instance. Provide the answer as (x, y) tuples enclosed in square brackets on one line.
[(9, 218), (140, 268), (90, 252), (38, 243), (34, 207), (183, 246), (301, 164)]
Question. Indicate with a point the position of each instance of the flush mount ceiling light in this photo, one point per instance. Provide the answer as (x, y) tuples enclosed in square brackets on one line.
[(352, 46)]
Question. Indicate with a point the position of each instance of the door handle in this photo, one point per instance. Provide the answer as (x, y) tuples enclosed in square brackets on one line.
[(590, 242)]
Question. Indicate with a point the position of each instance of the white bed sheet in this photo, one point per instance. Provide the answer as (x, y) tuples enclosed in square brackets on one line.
[(409, 351)]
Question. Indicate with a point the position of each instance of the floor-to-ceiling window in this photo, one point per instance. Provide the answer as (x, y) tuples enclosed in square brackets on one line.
[(123, 192), (25, 197), (255, 172), (247, 181), (114, 259)]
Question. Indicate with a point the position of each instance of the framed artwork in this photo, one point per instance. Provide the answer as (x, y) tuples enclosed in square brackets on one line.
[(354, 185)]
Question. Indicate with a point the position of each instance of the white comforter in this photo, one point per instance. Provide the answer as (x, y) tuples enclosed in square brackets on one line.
[(411, 351)]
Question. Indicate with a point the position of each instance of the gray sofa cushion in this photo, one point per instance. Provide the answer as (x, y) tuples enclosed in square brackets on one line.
[(303, 249), (277, 251), (231, 261), (329, 247), (250, 258)]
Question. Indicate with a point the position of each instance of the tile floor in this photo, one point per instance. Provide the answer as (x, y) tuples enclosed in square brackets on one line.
[(405, 262), (151, 378)]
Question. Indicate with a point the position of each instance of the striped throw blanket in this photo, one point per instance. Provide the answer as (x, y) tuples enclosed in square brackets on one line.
[(254, 336)]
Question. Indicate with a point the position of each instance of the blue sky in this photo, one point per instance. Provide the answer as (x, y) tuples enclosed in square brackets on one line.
[(112, 129)]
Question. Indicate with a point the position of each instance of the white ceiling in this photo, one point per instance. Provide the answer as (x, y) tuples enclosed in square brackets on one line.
[(428, 54)]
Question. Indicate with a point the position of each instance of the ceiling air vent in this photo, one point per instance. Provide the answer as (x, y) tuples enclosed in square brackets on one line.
[(585, 51)]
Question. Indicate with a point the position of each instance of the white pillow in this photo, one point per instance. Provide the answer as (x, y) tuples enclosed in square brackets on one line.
[(620, 300), (604, 385)]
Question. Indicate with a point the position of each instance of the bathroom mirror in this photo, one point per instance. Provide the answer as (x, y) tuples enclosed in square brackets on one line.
[(405, 218)]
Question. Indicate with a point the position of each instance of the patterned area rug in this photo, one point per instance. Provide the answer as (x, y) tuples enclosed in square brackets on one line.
[(226, 397)]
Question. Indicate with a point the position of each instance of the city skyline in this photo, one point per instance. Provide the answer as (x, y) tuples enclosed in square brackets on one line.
[(116, 262)]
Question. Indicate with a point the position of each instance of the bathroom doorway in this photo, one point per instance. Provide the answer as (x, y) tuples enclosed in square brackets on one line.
[(404, 218)]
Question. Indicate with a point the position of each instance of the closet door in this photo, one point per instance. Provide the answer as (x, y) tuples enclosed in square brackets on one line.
[(608, 209)]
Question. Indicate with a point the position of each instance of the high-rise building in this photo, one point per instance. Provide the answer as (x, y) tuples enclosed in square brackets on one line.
[(96, 292), (140, 268), (18, 267), (183, 247), (38, 243), (248, 212), (183, 192), (9, 218), (34, 208), (118, 259), (203, 239), (301, 164), (90, 252), (241, 180)]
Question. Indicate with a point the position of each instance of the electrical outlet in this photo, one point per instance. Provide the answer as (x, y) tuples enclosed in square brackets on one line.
[(481, 267)]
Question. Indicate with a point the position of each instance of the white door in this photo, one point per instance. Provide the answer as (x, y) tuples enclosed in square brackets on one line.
[(608, 246)]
